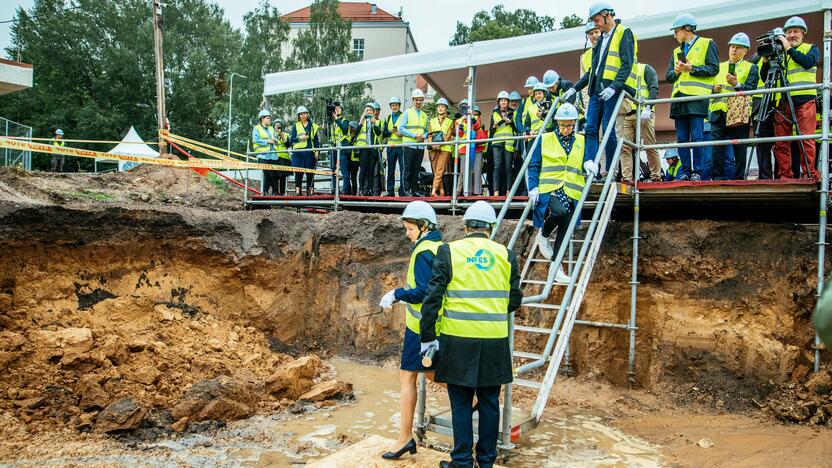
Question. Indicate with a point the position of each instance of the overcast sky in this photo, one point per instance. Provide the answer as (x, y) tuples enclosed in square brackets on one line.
[(432, 23)]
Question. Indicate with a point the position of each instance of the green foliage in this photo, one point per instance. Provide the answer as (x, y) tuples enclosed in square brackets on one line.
[(92, 195), (572, 21), (218, 182), (500, 23)]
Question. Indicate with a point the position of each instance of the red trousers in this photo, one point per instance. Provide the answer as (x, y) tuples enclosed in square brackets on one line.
[(782, 149)]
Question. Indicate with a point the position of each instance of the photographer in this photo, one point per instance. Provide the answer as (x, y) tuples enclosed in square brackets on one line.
[(369, 133), (535, 111), (735, 74), (692, 70), (502, 152), (516, 148), (557, 86), (801, 60)]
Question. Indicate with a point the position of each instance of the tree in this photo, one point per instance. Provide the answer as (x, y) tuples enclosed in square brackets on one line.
[(500, 24), (572, 21)]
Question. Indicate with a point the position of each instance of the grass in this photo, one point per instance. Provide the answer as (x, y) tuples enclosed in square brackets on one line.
[(218, 182), (93, 195)]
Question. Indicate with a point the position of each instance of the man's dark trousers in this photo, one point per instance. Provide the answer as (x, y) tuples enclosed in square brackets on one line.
[(462, 399)]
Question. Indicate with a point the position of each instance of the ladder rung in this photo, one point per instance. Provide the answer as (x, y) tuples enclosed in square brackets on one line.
[(541, 305), (527, 383), (526, 328), (545, 260), (525, 355), (528, 281)]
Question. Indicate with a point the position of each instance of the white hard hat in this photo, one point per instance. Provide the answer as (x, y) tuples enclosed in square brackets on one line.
[(502, 95), (550, 78), (598, 8), (740, 39), (264, 113), (395, 100), (566, 111), (420, 210), (442, 102), (301, 110), (796, 22), (59, 132), (684, 19), (417, 93), (540, 87), (481, 211), (531, 81)]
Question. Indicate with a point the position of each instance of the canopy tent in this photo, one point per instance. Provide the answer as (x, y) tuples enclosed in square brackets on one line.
[(505, 63), (131, 145)]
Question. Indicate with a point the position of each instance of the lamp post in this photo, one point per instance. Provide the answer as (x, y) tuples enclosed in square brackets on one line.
[(230, 95)]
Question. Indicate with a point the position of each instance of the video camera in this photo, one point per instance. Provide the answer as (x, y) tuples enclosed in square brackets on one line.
[(331, 105), (769, 45)]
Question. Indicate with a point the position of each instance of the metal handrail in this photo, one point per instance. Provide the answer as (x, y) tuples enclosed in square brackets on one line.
[(727, 95)]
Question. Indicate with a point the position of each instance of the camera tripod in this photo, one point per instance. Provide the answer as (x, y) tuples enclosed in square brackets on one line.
[(776, 74)]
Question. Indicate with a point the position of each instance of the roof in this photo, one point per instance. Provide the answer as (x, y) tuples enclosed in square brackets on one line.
[(359, 12), (14, 76), (131, 145)]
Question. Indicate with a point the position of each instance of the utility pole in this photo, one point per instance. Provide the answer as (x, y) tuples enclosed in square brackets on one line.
[(160, 72)]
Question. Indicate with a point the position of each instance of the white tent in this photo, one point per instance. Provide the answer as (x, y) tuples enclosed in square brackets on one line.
[(131, 145)]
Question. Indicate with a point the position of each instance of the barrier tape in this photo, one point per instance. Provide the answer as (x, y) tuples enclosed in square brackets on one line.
[(86, 141), (166, 134), (200, 163)]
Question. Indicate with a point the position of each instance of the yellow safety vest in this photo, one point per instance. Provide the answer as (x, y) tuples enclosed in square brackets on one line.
[(798, 75), (280, 139), (694, 85), (265, 134), (299, 130), (414, 311), (417, 120), (530, 111), (561, 170), (586, 61), (502, 131), (58, 143), (674, 169), (393, 140), (644, 90), (364, 139), (444, 127), (742, 69), (613, 63), (476, 299), (338, 135)]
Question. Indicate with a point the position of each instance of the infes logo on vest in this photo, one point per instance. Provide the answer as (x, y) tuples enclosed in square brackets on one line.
[(482, 259)]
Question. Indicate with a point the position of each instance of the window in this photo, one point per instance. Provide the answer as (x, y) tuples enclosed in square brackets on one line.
[(358, 48)]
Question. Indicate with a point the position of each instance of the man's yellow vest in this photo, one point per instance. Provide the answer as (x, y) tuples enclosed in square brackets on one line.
[(417, 120), (476, 299), (299, 130), (414, 311), (613, 63), (504, 130), (586, 61), (58, 143), (742, 69), (798, 75), (393, 140), (559, 169), (265, 134), (444, 127), (694, 85), (641, 83)]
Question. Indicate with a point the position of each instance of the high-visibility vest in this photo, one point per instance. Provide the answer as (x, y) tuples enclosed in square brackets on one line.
[(417, 120), (586, 61), (265, 133), (613, 63), (280, 145), (58, 143), (798, 75), (444, 127), (367, 136), (644, 91), (338, 135), (476, 299), (694, 85), (391, 122), (530, 111), (741, 71), (561, 170), (674, 169), (414, 311), (299, 131), (504, 130)]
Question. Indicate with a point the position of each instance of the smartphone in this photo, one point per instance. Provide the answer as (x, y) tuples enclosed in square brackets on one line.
[(732, 68), (681, 57)]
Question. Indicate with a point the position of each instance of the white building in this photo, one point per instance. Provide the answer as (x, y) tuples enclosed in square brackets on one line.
[(375, 34)]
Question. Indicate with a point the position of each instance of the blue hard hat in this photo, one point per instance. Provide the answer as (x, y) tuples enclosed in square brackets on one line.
[(264, 113), (370, 105), (550, 78), (796, 22), (596, 8), (684, 19), (740, 39), (395, 100), (59, 132), (442, 101), (463, 102), (354, 124), (514, 96), (376, 105), (540, 87), (671, 153), (476, 108), (301, 110), (566, 112), (531, 81), (589, 27)]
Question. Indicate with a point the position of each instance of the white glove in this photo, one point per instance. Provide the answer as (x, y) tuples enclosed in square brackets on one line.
[(607, 93), (388, 299), (647, 114), (568, 94), (534, 195), (591, 168), (424, 347)]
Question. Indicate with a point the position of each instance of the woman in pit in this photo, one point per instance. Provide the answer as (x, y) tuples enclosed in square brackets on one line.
[(420, 226)]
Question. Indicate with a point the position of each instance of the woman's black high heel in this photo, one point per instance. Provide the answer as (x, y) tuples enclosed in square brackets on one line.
[(408, 447)]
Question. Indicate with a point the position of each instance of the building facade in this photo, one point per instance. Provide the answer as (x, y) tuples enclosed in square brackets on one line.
[(375, 34)]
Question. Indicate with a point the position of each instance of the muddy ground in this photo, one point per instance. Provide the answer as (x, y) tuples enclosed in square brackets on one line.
[(150, 302)]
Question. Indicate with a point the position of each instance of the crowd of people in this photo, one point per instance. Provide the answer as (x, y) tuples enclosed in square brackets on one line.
[(608, 67)]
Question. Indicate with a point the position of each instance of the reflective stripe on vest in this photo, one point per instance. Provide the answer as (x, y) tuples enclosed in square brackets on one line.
[(694, 85), (743, 68), (674, 169), (280, 145), (586, 61), (414, 311), (367, 136), (798, 75), (535, 124), (444, 127), (338, 135), (265, 134), (613, 63), (476, 299), (559, 169), (504, 130), (299, 130), (417, 120), (393, 140)]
